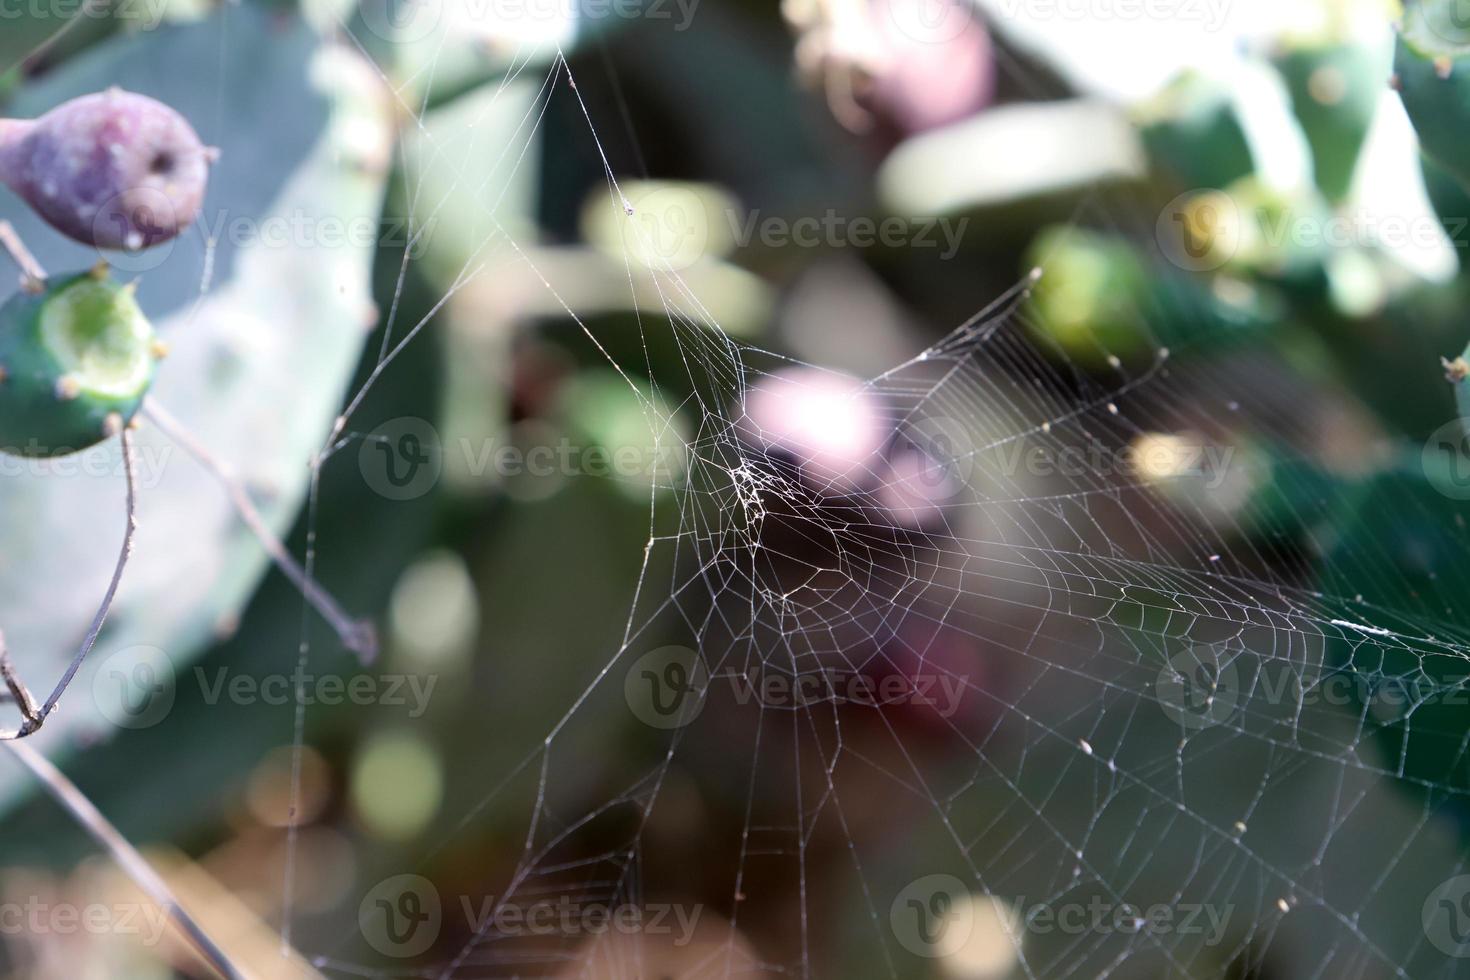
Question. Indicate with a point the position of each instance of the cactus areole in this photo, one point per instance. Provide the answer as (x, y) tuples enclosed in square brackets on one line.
[(75, 363)]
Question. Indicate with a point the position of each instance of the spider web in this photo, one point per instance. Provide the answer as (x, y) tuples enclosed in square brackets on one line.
[(1143, 719), (1145, 715)]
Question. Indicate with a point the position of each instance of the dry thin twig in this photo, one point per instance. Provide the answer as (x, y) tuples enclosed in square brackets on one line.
[(33, 279), (28, 709), (32, 276), (356, 635), (35, 717), (65, 792)]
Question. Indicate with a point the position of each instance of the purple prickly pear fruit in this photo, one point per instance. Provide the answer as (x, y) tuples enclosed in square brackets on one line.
[(115, 170), (934, 63)]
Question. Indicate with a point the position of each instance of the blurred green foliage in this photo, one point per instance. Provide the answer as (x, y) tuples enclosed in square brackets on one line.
[(1341, 341)]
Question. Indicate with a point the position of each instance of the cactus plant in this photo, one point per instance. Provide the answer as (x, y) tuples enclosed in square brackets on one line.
[(305, 303), (1334, 83), (1100, 298), (76, 360), (1457, 373), (1432, 74), (114, 169), (1192, 131), (1451, 202)]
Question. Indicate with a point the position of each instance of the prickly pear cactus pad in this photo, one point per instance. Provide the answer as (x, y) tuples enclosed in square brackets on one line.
[(1432, 73), (262, 336), (76, 360)]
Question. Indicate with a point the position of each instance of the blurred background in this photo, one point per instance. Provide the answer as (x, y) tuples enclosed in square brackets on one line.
[(641, 367)]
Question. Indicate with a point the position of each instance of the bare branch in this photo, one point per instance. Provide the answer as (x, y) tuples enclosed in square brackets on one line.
[(357, 635), (35, 717), (75, 802), (131, 470), (32, 276), (18, 691)]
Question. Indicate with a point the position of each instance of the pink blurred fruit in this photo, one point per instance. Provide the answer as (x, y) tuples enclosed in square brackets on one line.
[(933, 63), (826, 429)]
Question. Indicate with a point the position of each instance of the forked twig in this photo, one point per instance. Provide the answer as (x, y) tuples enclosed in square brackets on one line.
[(356, 635), (18, 692), (35, 717), (132, 863)]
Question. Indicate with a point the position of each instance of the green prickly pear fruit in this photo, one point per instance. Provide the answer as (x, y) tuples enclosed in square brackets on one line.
[(76, 360)]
